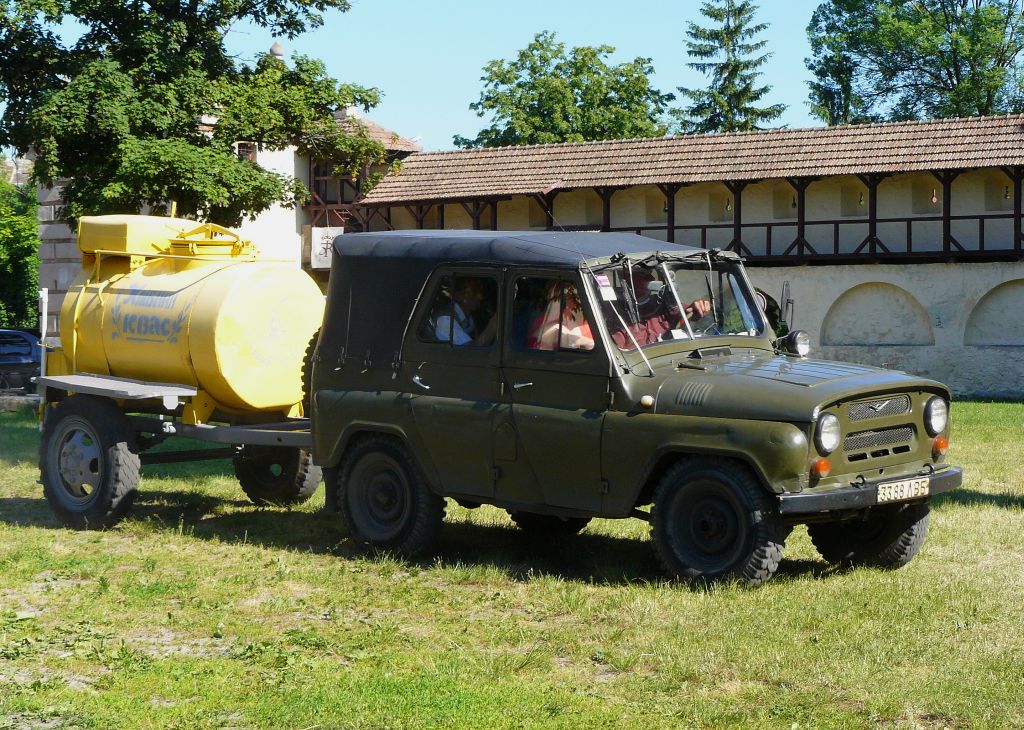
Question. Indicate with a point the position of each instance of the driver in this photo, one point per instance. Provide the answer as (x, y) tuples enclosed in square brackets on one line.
[(657, 310)]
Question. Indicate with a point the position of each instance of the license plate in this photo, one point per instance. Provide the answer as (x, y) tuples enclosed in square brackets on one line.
[(903, 490)]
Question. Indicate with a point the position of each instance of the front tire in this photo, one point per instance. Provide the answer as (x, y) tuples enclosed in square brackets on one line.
[(889, 537), (713, 521), (88, 462), (276, 475), (383, 500)]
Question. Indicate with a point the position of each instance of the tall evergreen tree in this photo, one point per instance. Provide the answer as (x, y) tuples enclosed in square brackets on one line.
[(729, 55)]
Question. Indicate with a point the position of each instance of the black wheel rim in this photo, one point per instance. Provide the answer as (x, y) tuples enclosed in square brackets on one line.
[(79, 461), (710, 530), (379, 497)]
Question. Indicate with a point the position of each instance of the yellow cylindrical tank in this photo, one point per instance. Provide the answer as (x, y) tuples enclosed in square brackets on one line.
[(170, 301)]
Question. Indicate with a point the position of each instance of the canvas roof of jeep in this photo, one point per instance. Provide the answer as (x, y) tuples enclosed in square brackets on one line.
[(539, 248), (376, 278)]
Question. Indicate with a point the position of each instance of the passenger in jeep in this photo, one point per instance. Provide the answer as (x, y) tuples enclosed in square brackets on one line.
[(562, 323), (467, 300)]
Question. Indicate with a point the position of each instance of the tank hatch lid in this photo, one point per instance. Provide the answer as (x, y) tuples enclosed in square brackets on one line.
[(113, 387), (133, 234)]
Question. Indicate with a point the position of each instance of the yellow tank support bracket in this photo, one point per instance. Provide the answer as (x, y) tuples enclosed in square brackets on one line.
[(199, 409)]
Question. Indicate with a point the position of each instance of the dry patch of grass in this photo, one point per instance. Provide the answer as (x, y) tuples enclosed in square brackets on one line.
[(204, 611)]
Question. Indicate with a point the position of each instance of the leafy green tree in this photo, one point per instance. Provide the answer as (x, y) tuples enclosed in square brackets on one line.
[(548, 94), (19, 258), (729, 55), (145, 107), (892, 59)]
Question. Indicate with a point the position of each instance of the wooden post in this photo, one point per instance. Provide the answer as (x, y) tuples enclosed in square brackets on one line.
[(1016, 175), (946, 177), (872, 241), (669, 190), (547, 202), (800, 185), (473, 210), (736, 244), (606, 206), (440, 216), (494, 215), (419, 213)]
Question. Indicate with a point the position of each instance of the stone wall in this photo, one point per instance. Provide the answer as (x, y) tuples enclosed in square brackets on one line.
[(958, 323)]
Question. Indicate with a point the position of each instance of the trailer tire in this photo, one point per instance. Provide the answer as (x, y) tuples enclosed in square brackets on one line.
[(276, 475), (307, 374), (88, 462)]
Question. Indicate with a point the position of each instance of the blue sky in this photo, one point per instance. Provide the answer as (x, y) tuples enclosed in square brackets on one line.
[(427, 57)]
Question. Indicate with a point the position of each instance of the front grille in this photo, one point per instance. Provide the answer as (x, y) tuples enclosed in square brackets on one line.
[(882, 437), (896, 405)]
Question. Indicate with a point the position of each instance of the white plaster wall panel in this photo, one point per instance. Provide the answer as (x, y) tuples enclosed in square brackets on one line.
[(514, 215), (877, 314), (402, 219), (571, 208), (998, 318), (277, 231), (628, 207), (456, 217)]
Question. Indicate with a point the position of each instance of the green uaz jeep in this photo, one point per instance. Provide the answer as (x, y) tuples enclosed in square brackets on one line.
[(566, 376)]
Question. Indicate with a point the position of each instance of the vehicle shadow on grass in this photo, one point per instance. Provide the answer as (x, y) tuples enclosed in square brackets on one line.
[(589, 557), (974, 498)]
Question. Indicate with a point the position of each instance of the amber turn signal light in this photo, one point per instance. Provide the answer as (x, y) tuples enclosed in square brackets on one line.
[(940, 445), (821, 468)]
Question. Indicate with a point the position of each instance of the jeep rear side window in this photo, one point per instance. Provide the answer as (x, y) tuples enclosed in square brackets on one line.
[(463, 312), (548, 315)]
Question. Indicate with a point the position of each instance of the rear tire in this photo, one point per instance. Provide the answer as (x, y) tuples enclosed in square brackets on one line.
[(276, 475), (383, 500), (88, 462), (712, 521), (548, 525), (890, 537)]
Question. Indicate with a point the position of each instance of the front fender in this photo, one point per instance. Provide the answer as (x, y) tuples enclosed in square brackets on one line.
[(636, 445)]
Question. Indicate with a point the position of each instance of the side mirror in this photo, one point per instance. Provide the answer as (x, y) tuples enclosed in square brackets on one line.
[(797, 342)]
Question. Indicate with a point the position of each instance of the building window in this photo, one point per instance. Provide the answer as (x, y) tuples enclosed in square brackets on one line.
[(246, 151)]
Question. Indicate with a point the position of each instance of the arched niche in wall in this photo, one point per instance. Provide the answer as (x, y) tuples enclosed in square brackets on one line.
[(997, 319), (877, 314)]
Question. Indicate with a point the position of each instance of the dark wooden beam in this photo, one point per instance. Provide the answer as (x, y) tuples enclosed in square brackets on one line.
[(946, 177), (440, 216), (736, 244), (669, 190), (1016, 175), (606, 193), (419, 213), (872, 242), (494, 215), (800, 243), (547, 202)]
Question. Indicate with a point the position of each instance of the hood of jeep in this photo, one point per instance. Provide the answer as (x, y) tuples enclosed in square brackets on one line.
[(774, 387)]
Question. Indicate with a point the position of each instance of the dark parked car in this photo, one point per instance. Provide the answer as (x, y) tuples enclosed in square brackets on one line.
[(566, 376), (19, 360)]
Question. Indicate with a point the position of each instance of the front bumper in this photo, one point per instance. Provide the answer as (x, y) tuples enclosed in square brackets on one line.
[(859, 496)]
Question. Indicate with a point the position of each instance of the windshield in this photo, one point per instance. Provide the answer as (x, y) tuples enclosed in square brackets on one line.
[(676, 301)]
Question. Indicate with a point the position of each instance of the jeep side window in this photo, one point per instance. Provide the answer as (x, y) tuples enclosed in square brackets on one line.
[(463, 312), (548, 315)]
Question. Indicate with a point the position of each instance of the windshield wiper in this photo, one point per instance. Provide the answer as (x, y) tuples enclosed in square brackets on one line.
[(682, 310)]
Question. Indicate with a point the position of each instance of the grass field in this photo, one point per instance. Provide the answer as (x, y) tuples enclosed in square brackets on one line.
[(204, 611)]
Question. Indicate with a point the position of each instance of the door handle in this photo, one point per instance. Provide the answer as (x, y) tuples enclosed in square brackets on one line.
[(520, 386), (419, 381)]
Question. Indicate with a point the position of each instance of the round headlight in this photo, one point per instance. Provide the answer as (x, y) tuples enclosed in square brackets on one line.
[(936, 416), (798, 342), (828, 434)]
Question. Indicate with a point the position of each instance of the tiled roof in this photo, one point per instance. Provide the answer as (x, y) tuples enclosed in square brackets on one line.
[(947, 144), (392, 141)]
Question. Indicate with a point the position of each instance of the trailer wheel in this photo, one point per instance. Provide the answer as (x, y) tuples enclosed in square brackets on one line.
[(276, 475), (88, 463)]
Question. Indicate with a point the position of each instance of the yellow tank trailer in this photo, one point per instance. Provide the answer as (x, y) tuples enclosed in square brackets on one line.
[(175, 328)]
